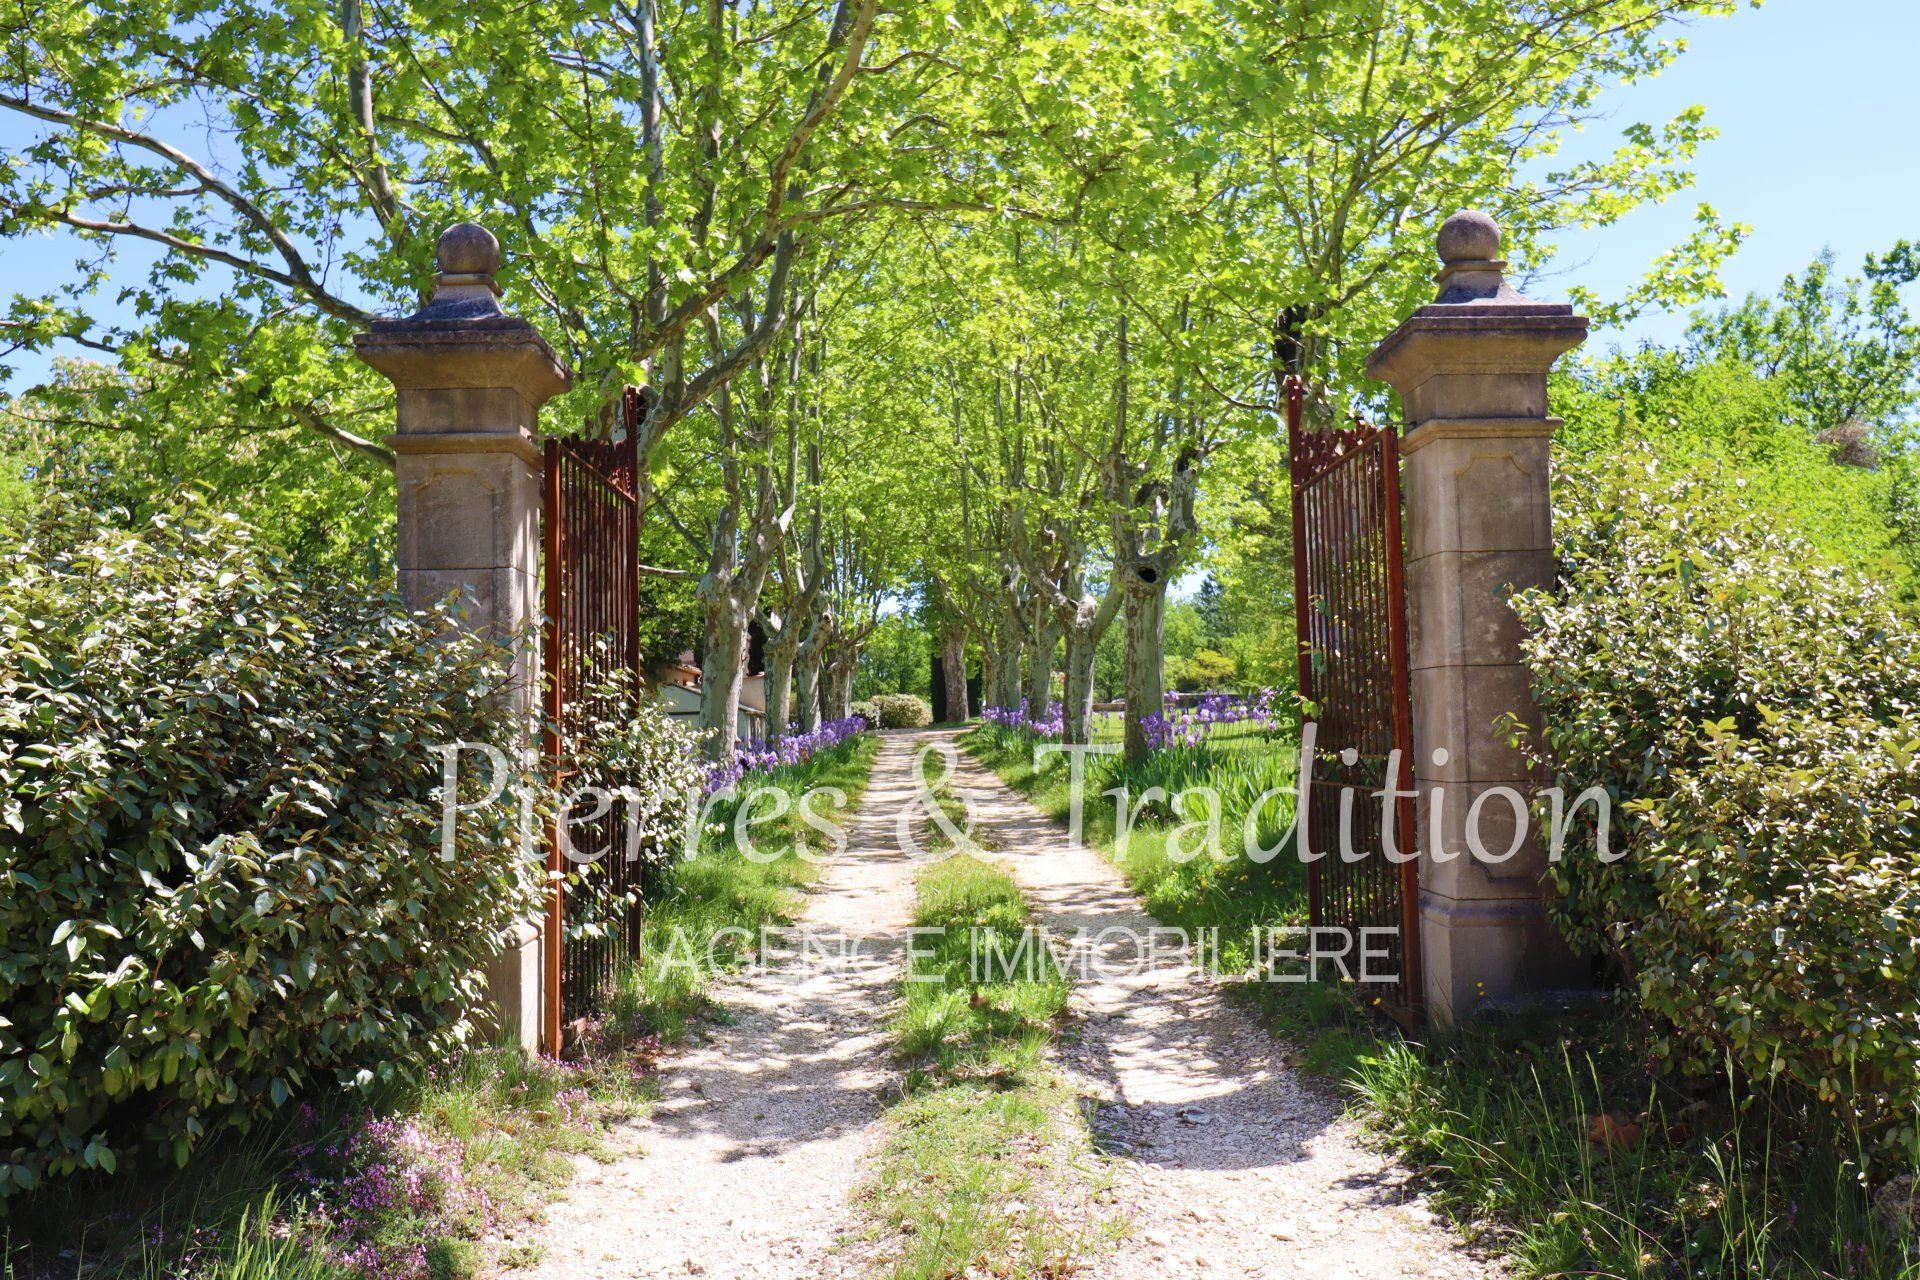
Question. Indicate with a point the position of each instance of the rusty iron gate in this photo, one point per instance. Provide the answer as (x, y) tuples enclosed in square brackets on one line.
[(1351, 616), (592, 636)]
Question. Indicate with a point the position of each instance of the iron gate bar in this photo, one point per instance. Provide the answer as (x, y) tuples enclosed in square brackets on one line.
[(1303, 683), (553, 702), (591, 537), (1351, 627)]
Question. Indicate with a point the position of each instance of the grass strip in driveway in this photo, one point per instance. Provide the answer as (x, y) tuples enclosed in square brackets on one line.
[(988, 1168)]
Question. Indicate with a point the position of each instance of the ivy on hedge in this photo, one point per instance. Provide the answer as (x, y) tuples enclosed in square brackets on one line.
[(1751, 710), (220, 841)]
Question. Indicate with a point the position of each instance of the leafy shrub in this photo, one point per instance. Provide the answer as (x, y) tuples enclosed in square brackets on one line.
[(1747, 706), (638, 776), (653, 760), (1206, 669), (221, 841), (865, 709), (1789, 912), (901, 711)]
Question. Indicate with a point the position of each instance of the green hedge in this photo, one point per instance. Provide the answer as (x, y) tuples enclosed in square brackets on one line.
[(220, 843), (1790, 908), (901, 711), (1748, 707)]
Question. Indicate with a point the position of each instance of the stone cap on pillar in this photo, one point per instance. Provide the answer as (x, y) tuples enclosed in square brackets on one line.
[(461, 340), (1479, 328)]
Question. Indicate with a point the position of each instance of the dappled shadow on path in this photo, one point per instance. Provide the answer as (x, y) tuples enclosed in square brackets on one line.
[(1222, 1158), (1227, 1161), (745, 1168)]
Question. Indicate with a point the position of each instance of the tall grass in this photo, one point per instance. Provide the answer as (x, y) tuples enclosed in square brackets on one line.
[(1565, 1151), (259, 1245), (224, 1217), (982, 995), (409, 1187)]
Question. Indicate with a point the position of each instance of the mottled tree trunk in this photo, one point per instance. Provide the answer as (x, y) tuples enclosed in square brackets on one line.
[(806, 686), (1008, 670), (1006, 675), (1077, 713), (953, 667), (780, 657), (1084, 626), (1039, 689), (721, 666), (839, 689), (1145, 623)]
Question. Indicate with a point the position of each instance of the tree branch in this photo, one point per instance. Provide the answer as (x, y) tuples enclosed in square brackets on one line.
[(298, 274), (311, 420)]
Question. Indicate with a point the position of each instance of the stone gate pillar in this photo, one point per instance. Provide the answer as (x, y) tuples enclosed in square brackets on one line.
[(1471, 370), (470, 381)]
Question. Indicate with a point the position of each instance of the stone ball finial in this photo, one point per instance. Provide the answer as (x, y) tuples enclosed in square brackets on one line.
[(468, 249), (1469, 236)]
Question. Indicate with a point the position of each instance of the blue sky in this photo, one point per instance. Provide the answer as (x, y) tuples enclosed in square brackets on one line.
[(1819, 146)]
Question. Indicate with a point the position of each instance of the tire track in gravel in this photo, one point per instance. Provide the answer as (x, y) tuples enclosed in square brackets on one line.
[(744, 1167), (1226, 1161)]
